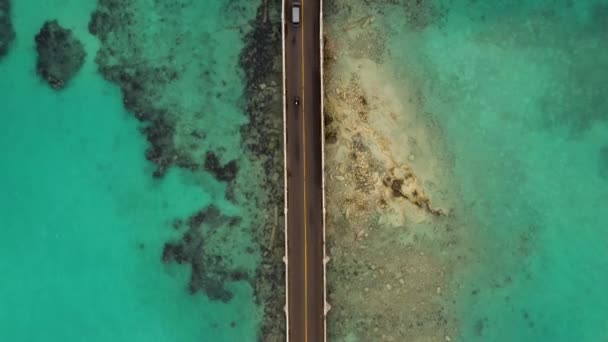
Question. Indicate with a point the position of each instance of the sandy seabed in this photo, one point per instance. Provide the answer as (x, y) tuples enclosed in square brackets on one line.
[(390, 223)]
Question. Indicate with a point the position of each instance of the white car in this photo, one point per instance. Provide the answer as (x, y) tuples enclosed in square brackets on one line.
[(295, 13)]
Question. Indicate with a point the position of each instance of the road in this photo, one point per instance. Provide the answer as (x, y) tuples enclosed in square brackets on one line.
[(304, 175)]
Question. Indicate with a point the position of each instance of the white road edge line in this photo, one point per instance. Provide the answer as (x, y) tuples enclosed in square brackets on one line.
[(286, 308), (325, 257)]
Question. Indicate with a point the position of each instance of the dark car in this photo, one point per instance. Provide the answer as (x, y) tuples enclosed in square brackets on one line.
[(296, 13)]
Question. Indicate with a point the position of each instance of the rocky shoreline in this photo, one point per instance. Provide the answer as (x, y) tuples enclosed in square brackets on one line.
[(263, 137)]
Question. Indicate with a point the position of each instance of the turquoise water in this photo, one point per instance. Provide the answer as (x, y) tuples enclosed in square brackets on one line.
[(83, 220), (520, 94), (519, 89)]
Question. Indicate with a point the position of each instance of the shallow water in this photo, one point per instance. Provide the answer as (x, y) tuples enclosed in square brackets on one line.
[(519, 91), (83, 220), (499, 110)]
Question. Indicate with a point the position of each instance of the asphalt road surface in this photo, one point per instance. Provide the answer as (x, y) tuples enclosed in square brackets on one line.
[(305, 271)]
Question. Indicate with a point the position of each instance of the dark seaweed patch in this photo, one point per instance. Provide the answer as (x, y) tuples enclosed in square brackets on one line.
[(177, 223), (419, 14), (161, 151), (138, 80), (209, 272), (422, 13), (60, 54), (7, 33), (209, 215), (331, 137), (603, 162), (225, 172), (528, 319), (160, 129), (480, 326), (98, 24)]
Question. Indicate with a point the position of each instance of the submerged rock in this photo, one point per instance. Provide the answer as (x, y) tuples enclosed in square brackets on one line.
[(403, 183), (60, 54), (7, 33)]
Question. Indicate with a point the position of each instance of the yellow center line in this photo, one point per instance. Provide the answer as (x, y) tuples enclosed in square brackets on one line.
[(304, 164)]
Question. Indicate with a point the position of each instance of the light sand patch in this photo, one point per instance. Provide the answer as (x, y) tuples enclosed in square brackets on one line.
[(380, 147)]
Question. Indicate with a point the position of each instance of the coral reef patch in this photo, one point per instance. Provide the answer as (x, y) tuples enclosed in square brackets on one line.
[(60, 54), (7, 33)]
